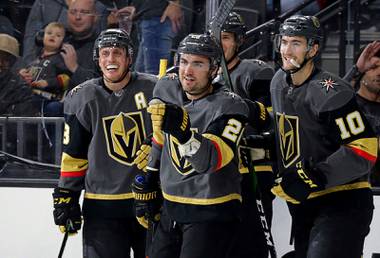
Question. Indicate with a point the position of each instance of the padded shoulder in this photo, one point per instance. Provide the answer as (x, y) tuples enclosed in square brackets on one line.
[(81, 95), (328, 92)]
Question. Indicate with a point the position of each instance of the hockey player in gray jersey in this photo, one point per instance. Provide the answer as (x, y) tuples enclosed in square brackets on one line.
[(105, 122), (196, 128), (326, 148), (250, 79)]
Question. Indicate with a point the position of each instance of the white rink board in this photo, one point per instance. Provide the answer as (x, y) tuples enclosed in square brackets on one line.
[(27, 228)]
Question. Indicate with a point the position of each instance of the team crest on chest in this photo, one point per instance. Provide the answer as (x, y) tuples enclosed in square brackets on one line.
[(328, 84), (288, 131), (124, 133), (181, 164)]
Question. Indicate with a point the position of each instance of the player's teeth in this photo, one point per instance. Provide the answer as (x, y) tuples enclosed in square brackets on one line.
[(112, 66)]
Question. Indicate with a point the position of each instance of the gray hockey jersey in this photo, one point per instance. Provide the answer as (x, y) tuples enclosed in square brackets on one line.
[(103, 132), (207, 185), (320, 122)]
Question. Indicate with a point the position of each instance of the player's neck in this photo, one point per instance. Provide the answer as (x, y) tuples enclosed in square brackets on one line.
[(371, 96), (116, 86), (233, 63), (302, 75), (200, 95)]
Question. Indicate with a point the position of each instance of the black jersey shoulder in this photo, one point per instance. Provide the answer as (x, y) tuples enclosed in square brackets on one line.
[(255, 68), (225, 102), (81, 95), (329, 92), (169, 90)]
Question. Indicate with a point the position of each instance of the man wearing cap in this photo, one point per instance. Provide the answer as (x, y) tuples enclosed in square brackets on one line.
[(15, 95)]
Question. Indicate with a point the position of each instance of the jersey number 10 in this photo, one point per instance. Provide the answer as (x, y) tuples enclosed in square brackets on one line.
[(354, 122)]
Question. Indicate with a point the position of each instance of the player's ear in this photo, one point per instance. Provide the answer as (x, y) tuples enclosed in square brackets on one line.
[(214, 71), (313, 50)]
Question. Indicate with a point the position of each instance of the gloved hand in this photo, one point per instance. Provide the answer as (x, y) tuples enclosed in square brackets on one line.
[(148, 198), (264, 141), (171, 119), (296, 184), (67, 213), (141, 160)]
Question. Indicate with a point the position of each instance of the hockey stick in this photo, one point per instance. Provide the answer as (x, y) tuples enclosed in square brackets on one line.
[(260, 208), (264, 224), (69, 225), (63, 245), (215, 29), (15, 158)]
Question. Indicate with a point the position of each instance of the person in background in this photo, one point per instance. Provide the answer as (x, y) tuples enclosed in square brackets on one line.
[(77, 51), (44, 12), (325, 147), (48, 75), (15, 95), (105, 123), (158, 23), (6, 26), (365, 77), (250, 79)]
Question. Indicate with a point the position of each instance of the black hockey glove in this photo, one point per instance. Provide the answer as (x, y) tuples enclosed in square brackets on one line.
[(171, 118), (141, 159), (296, 184), (67, 213), (148, 199), (264, 141)]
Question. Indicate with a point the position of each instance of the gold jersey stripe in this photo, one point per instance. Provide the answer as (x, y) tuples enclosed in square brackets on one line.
[(366, 147), (259, 168), (71, 164), (198, 201), (263, 168), (108, 196), (225, 153), (358, 185)]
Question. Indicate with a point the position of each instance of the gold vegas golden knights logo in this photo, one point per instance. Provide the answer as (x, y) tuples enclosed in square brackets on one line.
[(124, 134), (180, 163), (288, 127)]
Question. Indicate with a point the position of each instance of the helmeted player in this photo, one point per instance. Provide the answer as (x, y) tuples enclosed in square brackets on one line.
[(196, 128), (105, 122), (250, 79), (326, 148)]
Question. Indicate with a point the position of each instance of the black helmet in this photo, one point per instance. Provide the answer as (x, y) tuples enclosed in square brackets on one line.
[(201, 44), (235, 24), (112, 38), (301, 25)]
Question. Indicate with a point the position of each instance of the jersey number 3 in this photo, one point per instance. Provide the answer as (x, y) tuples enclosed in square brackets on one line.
[(354, 122)]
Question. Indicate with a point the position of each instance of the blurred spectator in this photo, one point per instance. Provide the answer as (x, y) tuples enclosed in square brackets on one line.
[(78, 50), (45, 11), (48, 74), (6, 26), (365, 76), (15, 95), (158, 23)]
